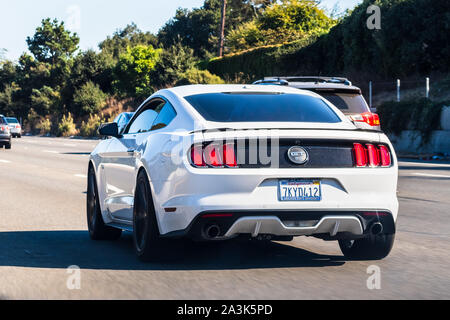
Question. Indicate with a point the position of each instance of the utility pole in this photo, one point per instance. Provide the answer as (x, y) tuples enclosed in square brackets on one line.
[(222, 28)]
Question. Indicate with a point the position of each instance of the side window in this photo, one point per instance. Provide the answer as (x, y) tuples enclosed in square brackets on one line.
[(143, 123), (166, 115)]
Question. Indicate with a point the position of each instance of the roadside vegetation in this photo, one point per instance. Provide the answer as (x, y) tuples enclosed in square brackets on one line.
[(58, 89)]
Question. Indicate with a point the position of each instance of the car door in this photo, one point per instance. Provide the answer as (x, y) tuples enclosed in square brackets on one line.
[(120, 162)]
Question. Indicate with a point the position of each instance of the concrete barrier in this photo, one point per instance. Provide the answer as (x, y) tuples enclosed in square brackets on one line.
[(411, 142), (445, 118)]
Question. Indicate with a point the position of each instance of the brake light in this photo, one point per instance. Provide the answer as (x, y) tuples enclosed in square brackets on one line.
[(371, 155), (18, 126), (385, 156), (372, 119), (197, 156), (229, 155), (214, 155), (360, 155)]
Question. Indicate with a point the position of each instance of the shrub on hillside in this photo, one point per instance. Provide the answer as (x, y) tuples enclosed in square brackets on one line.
[(90, 128), (66, 127), (44, 126), (89, 98), (413, 40), (419, 114), (196, 76)]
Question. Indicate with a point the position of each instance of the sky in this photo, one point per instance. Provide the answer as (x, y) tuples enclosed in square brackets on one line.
[(93, 20)]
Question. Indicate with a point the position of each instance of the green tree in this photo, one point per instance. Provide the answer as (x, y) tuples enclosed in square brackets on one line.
[(92, 66), (279, 23), (172, 64), (52, 42), (130, 36), (134, 69), (89, 99), (199, 28), (45, 100), (7, 103), (7, 73)]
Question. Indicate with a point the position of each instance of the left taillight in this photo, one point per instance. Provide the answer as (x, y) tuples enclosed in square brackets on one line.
[(214, 155)]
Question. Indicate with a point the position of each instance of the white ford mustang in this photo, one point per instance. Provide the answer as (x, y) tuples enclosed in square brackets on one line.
[(213, 162)]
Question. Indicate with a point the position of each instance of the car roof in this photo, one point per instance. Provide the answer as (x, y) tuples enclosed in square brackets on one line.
[(185, 91)]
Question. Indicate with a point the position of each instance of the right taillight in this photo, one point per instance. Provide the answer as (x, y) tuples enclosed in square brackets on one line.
[(385, 156), (214, 155), (372, 119), (369, 155)]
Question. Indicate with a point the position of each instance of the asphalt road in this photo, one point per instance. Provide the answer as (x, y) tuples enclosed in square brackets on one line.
[(43, 231)]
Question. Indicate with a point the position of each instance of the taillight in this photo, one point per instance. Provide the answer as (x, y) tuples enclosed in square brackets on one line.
[(385, 156), (371, 155), (229, 155), (17, 126), (197, 156), (370, 118), (214, 155), (360, 155)]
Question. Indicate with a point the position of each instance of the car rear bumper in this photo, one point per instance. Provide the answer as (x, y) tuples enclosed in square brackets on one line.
[(323, 224), (5, 138), (354, 189)]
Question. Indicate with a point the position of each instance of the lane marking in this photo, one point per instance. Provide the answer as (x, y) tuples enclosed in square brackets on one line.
[(414, 164), (81, 176), (50, 151), (431, 175), (4, 161)]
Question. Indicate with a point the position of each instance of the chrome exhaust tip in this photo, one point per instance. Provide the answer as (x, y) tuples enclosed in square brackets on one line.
[(376, 229), (212, 231)]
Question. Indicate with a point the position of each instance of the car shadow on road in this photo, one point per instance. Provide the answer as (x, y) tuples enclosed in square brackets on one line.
[(61, 249)]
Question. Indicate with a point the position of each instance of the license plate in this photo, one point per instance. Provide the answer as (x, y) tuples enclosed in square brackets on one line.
[(300, 190)]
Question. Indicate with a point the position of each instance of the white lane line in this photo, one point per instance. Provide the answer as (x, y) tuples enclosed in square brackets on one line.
[(431, 175), (4, 161), (413, 164), (81, 176), (50, 151)]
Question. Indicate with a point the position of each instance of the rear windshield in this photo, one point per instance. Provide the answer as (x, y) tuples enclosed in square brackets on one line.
[(254, 107), (347, 102), (12, 120)]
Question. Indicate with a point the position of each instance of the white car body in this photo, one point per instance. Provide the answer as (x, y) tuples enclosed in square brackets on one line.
[(182, 192), (15, 127)]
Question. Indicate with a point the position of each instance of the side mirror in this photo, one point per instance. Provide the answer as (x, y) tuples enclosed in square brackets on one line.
[(109, 130)]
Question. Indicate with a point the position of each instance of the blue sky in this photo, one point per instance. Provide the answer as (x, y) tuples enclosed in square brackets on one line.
[(93, 20)]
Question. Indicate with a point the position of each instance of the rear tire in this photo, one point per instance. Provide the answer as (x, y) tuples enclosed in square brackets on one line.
[(370, 248), (148, 244), (97, 228), (8, 146)]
